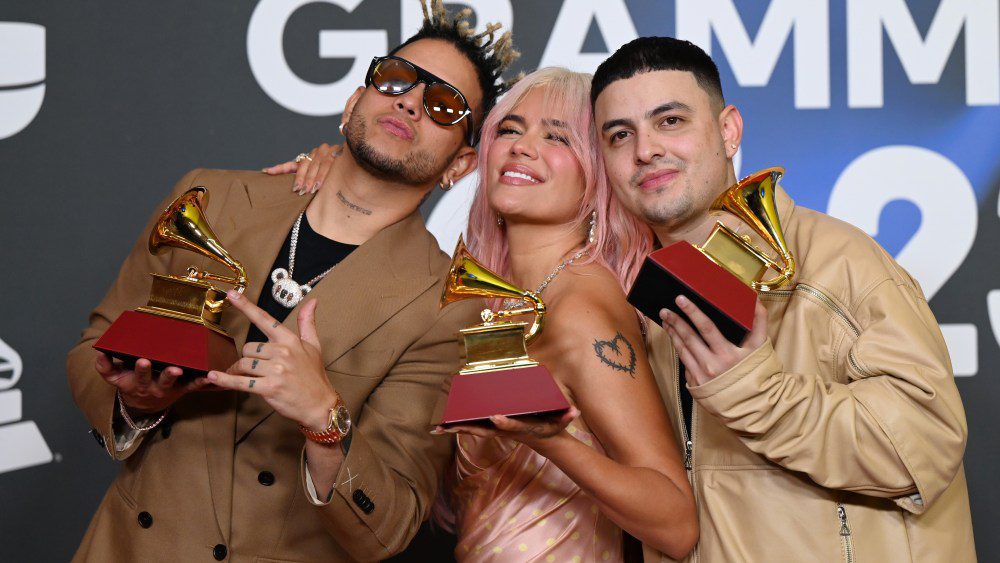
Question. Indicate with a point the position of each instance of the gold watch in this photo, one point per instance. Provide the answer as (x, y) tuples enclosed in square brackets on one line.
[(338, 426)]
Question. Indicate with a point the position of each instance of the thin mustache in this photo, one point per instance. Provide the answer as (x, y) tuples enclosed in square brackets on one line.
[(656, 165)]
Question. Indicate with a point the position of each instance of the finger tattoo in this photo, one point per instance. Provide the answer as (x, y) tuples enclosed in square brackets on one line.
[(275, 325), (259, 346), (253, 365), (252, 381)]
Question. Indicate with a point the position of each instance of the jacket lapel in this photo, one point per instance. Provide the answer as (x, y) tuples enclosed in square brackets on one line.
[(368, 287), (253, 232)]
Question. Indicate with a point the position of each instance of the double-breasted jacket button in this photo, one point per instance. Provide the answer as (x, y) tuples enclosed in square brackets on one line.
[(219, 552), (97, 437), (364, 503), (145, 519), (265, 478)]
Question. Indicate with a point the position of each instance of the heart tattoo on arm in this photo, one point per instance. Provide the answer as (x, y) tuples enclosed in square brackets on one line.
[(617, 353)]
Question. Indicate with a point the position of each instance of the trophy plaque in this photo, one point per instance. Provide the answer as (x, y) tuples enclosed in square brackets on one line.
[(180, 324), (723, 275), (498, 377)]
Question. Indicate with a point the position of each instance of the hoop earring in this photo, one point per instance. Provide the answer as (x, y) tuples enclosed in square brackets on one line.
[(451, 184), (499, 219), (592, 232), (341, 128)]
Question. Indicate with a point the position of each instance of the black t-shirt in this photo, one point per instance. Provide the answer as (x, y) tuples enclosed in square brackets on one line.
[(314, 254)]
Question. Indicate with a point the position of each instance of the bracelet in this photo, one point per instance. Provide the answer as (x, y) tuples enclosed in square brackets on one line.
[(128, 419)]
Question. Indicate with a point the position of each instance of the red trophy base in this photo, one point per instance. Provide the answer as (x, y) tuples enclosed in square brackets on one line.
[(474, 397), (682, 269), (167, 342)]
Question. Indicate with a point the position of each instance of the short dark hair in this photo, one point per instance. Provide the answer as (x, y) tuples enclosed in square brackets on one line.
[(491, 56), (647, 54)]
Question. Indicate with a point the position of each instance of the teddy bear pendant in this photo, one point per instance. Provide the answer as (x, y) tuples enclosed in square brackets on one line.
[(285, 290)]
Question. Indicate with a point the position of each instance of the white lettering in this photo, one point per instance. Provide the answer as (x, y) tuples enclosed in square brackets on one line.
[(22, 67), (947, 224), (450, 216), (267, 58), (753, 62), (923, 60), (570, 31), (22, 443)]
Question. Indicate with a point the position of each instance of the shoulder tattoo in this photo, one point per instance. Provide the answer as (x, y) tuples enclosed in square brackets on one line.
[(617, 353)]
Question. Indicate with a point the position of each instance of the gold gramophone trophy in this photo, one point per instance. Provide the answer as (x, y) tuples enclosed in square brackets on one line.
[(180, 325), (721, 276), (498, 377)]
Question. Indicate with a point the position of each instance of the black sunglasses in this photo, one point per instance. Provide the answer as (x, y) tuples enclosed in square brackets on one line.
[(443, 103)]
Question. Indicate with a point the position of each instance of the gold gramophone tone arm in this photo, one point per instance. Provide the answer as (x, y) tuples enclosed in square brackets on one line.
[(240, 282), (536, 308), (752, 200), (787, 271)]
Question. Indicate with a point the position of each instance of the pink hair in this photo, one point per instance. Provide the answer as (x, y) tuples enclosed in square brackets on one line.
[(622, 240)]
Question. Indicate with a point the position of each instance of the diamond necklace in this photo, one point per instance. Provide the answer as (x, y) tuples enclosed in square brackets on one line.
[(509, 303), (285, 291)]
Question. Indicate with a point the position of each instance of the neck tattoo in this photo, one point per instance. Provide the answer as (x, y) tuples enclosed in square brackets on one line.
[(351, 205)]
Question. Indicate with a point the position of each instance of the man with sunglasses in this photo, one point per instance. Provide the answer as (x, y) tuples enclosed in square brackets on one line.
[(315, 446)]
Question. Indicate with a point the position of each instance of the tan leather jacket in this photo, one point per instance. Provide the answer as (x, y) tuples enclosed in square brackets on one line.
[(842, 437)]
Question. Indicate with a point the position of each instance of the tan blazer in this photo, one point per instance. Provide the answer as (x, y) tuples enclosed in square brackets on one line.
[(222, 476)]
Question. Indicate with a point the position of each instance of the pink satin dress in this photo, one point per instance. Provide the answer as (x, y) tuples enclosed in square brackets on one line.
[(523, 508)]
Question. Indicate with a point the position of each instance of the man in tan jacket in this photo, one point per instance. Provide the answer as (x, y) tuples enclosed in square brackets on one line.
[(835, 430), (357, 367)]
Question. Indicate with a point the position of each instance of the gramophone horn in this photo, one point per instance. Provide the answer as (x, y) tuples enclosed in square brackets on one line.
[(752, 200), (467, 277), (183, 225)]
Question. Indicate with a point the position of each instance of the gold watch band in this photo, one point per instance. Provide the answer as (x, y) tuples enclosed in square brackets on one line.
[(332, 434)]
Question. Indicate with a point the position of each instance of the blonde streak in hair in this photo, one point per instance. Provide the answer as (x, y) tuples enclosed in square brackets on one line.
[(423, 8)]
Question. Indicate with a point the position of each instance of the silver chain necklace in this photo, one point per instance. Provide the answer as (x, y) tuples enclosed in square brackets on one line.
[(285, 291), (514, 303)]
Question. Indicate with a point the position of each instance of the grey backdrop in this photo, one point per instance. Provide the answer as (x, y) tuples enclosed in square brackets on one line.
[(137, 93)]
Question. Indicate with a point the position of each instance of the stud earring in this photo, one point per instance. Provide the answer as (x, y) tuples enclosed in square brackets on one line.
[(451, 184)]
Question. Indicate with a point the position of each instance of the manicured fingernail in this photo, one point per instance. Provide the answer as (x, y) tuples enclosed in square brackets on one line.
[(233, 295), (297, 187), (315, 187), (264, 170), (437, 431), (212, 376), (681, 300)]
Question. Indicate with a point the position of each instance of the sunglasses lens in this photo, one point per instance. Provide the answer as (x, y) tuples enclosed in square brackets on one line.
[(444, 104), (393, 77)]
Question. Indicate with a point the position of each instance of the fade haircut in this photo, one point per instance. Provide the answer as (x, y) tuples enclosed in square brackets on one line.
[(491, 55), (648, 54)]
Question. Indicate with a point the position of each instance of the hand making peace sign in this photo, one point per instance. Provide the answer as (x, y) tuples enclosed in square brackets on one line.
[(286, 371)]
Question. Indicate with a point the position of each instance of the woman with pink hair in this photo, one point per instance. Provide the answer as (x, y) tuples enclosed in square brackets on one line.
[(544, 218), (564, 488)]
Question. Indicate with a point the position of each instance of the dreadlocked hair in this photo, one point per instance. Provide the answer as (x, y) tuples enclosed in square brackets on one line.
[(492, 55)]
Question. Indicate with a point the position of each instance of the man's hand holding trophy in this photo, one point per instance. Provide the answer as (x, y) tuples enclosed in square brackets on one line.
[(178, 333)]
